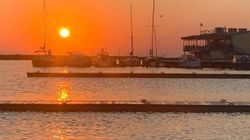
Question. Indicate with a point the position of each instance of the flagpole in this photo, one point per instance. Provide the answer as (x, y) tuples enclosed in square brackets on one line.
[(201, 25), (200, 28)]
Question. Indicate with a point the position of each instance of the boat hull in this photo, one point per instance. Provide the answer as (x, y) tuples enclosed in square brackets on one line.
[(62, 62), (241, 66)]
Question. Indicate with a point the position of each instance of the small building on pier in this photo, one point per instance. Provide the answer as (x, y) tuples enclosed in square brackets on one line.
[(219, 44)]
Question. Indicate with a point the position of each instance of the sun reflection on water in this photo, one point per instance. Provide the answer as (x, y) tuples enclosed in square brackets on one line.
[(63, 95), (60, 134)]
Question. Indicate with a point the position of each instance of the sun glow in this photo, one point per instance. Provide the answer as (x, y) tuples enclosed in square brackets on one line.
[(64, 32), (63, 96), (63, 93)]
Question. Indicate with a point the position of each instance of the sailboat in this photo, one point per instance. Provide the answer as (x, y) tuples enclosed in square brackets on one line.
[(48, 60), (131, 60), (153, 60)]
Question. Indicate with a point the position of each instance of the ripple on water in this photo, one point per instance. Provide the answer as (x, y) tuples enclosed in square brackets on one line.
[(14, 85), (124, 126)]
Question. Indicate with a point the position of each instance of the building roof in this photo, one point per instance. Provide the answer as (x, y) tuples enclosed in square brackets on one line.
[(226, 35)]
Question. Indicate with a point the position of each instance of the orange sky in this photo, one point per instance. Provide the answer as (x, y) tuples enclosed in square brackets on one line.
[(97, 24)]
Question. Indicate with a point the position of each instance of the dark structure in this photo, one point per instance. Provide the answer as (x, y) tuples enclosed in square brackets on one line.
[(218, 44), (144, 106), (142, 75)]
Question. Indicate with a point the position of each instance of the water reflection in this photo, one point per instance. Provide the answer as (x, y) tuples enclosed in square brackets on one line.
[(14, 85), (63, 95), (65, 71), (60, 134), (146, 126)]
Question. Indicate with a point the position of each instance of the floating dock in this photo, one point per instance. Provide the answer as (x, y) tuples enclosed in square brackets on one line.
[(183, 107), (141, 75)]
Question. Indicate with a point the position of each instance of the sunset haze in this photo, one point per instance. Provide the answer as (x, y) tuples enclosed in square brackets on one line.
[(105, 24)]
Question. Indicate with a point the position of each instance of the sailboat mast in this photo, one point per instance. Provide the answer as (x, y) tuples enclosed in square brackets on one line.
[(44, 27), (153, 30), (156, 43), (132, 30)]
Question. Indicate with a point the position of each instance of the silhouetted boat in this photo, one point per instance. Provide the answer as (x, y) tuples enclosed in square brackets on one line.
[(103, 59), (48, 60), (241, 62), (73, 60), (131, 60), (188, 61), (154, 62)]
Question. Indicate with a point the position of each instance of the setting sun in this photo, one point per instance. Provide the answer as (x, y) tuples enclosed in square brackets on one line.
[(64, 33)]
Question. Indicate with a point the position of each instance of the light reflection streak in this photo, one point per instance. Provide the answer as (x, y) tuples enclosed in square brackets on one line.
[(60, 134), (63, 95)]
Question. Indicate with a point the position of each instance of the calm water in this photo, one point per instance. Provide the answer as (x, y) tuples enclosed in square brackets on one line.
[(15, 86)]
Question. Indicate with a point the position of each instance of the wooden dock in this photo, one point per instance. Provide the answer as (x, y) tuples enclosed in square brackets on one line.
[(223, 107), (141, 75)]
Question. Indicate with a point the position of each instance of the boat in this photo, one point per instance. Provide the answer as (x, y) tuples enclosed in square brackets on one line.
[(131, 60), (71, 60), (103, 59), (189, 61), (48, 60), (241, 62), (153, 60)]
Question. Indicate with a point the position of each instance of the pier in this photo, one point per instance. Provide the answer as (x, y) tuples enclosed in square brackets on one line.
[(115, 106), (140, 75)]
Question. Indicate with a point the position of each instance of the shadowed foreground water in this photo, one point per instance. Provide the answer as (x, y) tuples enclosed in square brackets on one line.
[(124, 126), (14, 85)]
